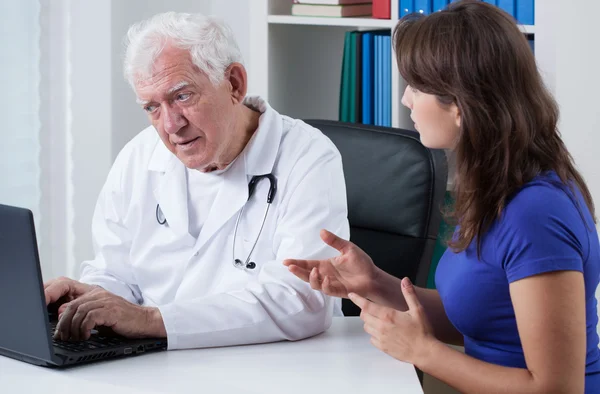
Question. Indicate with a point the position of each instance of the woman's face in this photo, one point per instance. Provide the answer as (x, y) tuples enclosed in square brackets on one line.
[(437, 124)]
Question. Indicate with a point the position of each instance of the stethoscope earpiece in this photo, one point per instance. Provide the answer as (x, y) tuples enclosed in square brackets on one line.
[(251, 265)]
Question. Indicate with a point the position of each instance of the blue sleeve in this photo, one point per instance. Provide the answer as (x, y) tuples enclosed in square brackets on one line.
[(542, 230)]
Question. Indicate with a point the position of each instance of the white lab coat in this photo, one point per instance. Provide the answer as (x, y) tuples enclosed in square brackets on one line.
[(204, 300)]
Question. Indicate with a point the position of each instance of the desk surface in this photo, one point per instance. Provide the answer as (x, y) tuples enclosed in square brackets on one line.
[(341, 360)]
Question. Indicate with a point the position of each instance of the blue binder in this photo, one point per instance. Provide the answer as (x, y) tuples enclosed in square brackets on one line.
[(439, 5), (423, 7), (376, 83), (406, 7), (387, 81), (492, 2), (525, 12), (367, 77), (507, 5), (380, 80)]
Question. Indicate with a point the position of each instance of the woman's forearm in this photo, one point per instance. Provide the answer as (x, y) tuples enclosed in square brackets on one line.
[(469, 375), (387, 290)]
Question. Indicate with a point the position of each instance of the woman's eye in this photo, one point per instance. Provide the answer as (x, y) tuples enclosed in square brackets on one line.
[(183, 96)]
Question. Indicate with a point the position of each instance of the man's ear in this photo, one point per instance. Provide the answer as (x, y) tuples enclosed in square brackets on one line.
[(238, 81)]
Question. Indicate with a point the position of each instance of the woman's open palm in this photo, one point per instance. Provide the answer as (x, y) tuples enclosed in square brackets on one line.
[(352, 271)]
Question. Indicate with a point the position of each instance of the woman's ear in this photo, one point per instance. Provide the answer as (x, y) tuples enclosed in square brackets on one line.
[(456, 115), (238, 81)]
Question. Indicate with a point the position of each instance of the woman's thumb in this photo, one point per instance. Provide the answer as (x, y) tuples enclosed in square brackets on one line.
[(410, 296), (333, 240)]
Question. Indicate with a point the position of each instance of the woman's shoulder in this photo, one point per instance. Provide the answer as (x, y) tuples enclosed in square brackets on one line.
[(545, 214), (546, 198)]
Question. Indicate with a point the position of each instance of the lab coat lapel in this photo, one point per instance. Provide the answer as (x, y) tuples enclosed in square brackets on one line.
[(232, 196), (171, 191)]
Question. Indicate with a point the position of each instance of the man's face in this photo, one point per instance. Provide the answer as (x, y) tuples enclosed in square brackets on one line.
[(193, 118)]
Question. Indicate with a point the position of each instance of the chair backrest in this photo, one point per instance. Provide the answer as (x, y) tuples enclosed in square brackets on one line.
[(395, 188)]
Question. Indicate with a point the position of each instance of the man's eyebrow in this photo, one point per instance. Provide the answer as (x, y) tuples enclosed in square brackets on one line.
[(177, 87), (170, 91)]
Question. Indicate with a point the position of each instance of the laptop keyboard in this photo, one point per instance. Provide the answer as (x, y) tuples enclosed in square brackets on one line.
[(95, 342)]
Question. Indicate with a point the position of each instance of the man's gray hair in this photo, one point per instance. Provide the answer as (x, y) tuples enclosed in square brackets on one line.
[(210, 42)]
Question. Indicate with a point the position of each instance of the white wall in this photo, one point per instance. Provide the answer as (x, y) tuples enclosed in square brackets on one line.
[(578, 86)]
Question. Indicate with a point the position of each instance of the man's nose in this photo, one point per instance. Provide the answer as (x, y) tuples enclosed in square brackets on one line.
[(173, 120)]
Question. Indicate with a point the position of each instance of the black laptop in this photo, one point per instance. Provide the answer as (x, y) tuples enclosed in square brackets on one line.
[(27, 325)]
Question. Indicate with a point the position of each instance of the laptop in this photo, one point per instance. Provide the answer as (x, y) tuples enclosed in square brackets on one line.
[(27, 324)]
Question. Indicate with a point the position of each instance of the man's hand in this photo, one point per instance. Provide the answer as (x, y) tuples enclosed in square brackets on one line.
[(65, 289), (102, 308)]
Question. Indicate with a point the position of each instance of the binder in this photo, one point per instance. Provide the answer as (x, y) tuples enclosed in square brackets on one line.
[(352, 79), (377, 81), (525, 10), (423, 7), (507, 5), (358, 81), (344, 111), (406, 7), (439, 5), (387, 86), (492, 2), (367, 77)]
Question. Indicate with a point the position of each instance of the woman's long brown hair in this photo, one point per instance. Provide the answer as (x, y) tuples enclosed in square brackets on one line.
[(474, 55)]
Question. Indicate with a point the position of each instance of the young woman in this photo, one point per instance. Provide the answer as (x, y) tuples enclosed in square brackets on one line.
[(517, 285)]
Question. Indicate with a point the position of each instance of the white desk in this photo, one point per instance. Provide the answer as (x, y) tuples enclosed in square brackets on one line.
[(340, 360)]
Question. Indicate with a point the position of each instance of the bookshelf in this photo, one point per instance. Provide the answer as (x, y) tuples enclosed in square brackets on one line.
[(296, 61)]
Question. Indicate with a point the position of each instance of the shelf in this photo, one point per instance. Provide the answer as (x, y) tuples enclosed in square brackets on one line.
[(530, 29), (325, 21), (349, 22)]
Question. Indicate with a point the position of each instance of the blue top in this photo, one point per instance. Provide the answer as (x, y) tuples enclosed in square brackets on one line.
[(540, 230)]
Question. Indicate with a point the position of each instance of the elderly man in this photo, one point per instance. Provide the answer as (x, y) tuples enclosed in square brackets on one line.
[(200, 209)]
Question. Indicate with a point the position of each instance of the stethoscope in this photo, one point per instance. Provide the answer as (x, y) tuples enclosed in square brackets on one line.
[(247, 264), (250, 265)]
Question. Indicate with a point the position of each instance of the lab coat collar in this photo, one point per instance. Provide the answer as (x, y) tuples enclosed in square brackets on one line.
[(257, 158), (261, 151)]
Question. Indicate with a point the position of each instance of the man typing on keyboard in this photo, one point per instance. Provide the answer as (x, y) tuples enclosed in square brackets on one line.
[(200, 209)]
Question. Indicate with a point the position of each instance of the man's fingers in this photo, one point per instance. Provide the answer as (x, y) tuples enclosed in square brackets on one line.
[(80, 314), (49, 283), (94, 317), (61, 309), (334, 241), (54, 291), (63, 328)]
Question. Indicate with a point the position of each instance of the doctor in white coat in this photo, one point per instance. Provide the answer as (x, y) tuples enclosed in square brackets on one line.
[(168, 259)]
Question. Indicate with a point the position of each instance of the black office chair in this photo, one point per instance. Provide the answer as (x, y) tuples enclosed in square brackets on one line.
[(395, 188)]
